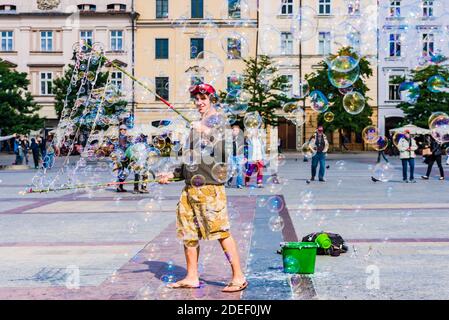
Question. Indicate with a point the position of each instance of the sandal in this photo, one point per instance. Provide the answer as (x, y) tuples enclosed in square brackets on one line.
[(180, 285), (240, 287)]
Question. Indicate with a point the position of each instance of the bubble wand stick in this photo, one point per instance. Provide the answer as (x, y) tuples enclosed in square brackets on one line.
[(85, 186)]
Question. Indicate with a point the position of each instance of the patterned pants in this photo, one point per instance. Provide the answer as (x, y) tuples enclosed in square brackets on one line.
[(202, 214)]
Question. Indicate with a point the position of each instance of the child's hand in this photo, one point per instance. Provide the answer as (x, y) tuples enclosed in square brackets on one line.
[(164, 178)]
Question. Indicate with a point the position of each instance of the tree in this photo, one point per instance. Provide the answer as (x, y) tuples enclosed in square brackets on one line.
[(264, 88), (319, 80), (418, 112), (17, 108), (84, 120)]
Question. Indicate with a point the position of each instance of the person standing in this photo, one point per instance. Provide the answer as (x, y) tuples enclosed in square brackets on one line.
[(26, 148), (50, 153), (436, 155), (236, 159), (319, 143), (256, 155), (35, 151), (122, 163), (407, 146), (202, 210)]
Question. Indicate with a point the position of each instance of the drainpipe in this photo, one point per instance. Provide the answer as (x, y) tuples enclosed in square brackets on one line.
[(133, 58)]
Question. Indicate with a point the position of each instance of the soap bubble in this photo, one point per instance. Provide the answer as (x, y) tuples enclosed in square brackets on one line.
[(344, 64), (221, 172), (397, 137), (354, 102), (409, 92), (370, 134), (198, 180), (439, 129), (291, 264), (269, 39), (276, 224), (303, 90), (381, 143), (294, 113), (275, 204), (383, 172), (252, 120), (436, 84), (435, 115), (318, 101), (342, 80), (304, 25), (307, 150), (329, 116)]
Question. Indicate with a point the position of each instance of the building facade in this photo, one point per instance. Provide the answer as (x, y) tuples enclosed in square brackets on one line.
[(327, 25), (37, 37), (410, 32), (181, 42)]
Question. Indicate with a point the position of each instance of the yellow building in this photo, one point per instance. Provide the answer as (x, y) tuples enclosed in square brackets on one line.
[(179, 41), (327, 25)]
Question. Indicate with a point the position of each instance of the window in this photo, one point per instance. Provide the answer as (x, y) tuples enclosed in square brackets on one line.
[(395, 8), (324, 7), (393, 90), (9, 8), (287, 7), (427, 9), (162, 86), (116, 40), (6, 41), (161, 9), (197, 9), (116, 7), (428, 44), (87, 37), (117, 80), (324, 43), (395, 45), (196, 47), (161, 48), (87, 7), (286, 43), (354, 39), (46, 40), (354, 8), (234, 48), (234, 10), (195, 80), (46, 83)]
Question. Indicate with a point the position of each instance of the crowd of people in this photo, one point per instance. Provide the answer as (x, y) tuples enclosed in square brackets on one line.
[(42, 150)]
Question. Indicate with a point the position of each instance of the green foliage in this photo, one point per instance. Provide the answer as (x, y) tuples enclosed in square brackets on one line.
[(267, 92), (343, 120), (17, 109), (428, 102)]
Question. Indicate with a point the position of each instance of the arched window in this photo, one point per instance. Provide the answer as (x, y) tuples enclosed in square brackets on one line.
[(116, 7), (8, 8), (87, 7)]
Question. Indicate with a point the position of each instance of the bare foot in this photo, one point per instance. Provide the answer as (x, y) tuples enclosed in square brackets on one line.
[(185, 284)]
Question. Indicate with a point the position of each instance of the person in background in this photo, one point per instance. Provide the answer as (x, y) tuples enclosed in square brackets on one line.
[(121, 165), (36, 152), (236, 158), (139, 175), (436, 155), (18, 151), (320, 144), (256, 155), (407, 146), (51, 152), (26, 148), (42, 142)]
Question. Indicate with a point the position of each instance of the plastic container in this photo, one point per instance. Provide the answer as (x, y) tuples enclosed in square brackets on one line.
[(323, 241), (299, 257)]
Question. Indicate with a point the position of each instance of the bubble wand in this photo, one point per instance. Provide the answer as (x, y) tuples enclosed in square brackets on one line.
[(100, 185)]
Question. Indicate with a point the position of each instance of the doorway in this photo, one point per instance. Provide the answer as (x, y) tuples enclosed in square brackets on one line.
[(287, 135)]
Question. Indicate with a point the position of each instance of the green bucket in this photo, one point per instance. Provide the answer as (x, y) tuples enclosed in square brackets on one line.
[(299, 257)]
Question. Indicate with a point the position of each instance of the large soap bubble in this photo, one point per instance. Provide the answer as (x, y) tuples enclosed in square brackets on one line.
[(354, 102), (343, 80), (436, 84), (409, 92), (318, 101)]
